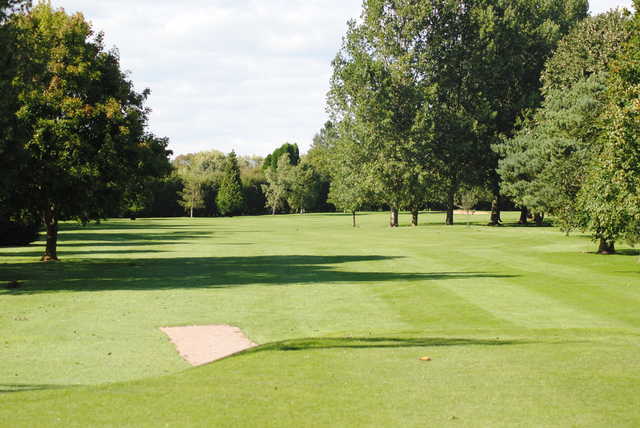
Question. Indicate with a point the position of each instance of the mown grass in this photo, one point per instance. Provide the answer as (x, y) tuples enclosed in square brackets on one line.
[(524, 325)]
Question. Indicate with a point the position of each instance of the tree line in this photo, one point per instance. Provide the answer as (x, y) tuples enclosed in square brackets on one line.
[(433, 103), (446, 100)]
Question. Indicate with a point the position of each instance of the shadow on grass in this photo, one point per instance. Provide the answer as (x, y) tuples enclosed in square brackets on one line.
[(207, 272), (8, 388), (378, 342), (68, 241)]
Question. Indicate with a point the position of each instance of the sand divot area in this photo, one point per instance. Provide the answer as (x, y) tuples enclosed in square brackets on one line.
[(202, 344), (463, 212)]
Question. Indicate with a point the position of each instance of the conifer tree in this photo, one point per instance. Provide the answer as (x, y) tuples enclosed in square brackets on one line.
[(230, 199)]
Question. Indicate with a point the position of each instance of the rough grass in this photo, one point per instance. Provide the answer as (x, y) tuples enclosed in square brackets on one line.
[(524, 326)]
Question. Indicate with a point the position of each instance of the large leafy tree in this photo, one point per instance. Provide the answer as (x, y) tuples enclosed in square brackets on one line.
[(230, 198), (514, 39), (545, 165), (80, 126), (610, 195), (377, 90), (10, 155)]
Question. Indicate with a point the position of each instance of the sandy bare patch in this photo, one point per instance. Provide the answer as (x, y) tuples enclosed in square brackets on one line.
[(472, 212), (202, 344)]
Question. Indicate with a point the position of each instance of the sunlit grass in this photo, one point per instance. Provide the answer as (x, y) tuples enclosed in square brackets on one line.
[(524, 325)]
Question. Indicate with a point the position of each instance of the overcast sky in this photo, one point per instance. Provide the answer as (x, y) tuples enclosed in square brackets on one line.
[(243, 75)]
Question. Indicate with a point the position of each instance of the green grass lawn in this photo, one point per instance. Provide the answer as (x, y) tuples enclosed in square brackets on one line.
[(525, 327)]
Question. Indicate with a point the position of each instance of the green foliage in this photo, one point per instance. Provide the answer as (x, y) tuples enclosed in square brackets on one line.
[(589, 49), (201, 174), (349, 191), (429, 86), (272, 160), (79, 127), (610, 195), (230, 199), (277, 186), (546, 164), (379, 95)]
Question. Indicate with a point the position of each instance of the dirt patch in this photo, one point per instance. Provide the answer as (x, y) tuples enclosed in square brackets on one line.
[(457, 212), (202, 344)]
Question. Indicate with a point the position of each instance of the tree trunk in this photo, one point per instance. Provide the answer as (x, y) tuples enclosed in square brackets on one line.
[(523, 216), (606, 247), (450, 207), (191, 211), (414, 217), (495, 211), (353, 214), (51, 250), (273, 211), (539, 219), (394, 218)]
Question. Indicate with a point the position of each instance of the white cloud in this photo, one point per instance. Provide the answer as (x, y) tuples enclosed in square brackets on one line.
[(599, 6), (243, 75)]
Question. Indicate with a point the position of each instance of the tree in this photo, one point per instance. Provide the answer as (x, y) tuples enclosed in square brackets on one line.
[(276, 188), (319, 158), (303, 188), (80, 126), (349, 191), (10, 154), (610, 195), (230, 199), (513, 41), (544, 166), (272, 160), (201, 174), (377, 91)]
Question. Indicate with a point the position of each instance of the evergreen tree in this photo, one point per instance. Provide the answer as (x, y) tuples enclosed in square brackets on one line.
[(230, 199)]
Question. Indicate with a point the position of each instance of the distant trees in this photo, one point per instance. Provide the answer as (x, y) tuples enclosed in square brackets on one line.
[(271, 161), (292, 187), (199, 173), (74, 130), (277, 185)]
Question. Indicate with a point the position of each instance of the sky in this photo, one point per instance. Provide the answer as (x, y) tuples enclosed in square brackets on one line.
[(243, 75)]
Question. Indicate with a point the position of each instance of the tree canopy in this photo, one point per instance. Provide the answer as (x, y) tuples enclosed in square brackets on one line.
[(79, 129)]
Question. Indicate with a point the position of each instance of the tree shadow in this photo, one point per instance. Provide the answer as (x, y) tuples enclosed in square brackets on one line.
[(207, 272), (627, 252), (10, 388), (528, 225), (378, 342), (89, 240)]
